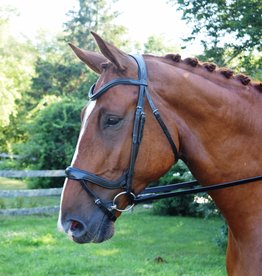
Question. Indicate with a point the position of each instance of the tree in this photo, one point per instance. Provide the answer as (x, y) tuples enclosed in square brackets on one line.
[(230, 31), (158, 45), (57, 72), (53, 132), (50, 109), (92, 15), (16, 66), (17, 69)]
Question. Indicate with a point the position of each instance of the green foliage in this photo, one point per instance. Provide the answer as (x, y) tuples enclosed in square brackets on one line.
[(31, 75), (218, 18), (206, 206), (2, 204), (228, 30), (185, 205), (8, 164), (16, 67), (180, 205), (221, 238), (53, 135), (178, 173), (250, 63), (157, 45), (57, 72)]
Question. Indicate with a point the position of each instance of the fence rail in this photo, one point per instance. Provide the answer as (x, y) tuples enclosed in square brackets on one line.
[(28, 173), (30, 193), (30, 211), (9, 156)]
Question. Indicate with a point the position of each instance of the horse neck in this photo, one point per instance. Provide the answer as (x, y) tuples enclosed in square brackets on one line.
[(217, 121)]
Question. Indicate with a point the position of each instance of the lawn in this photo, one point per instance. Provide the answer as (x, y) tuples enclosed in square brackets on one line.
[(11, 184), (144, 244), (23, 202)]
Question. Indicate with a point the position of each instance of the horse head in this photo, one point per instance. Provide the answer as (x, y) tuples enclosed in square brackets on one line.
[(108, 170)]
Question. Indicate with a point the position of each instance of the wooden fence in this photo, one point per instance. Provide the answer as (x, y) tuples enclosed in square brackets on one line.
[(9, 156), (27, 173), (30, 193)]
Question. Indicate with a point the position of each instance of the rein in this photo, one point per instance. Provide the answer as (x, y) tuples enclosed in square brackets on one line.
[(126, 179), (190, 187)]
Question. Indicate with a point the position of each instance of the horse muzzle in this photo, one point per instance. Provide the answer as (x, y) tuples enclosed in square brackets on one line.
[(95, 230)]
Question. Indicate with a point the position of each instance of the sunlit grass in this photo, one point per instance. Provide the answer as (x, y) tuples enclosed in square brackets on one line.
[(107, 252), (11, 184), (144, 244)]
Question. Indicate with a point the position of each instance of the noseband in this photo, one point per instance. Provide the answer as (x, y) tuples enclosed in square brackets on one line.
[(125, 180)]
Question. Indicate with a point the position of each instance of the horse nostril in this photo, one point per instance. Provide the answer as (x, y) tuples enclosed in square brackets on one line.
[(77, 228), (75, 225)]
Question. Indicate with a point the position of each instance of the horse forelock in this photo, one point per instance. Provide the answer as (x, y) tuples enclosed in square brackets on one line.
[(212, 67)]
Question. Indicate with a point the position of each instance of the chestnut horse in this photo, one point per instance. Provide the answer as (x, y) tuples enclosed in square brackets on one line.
[(214, 120)]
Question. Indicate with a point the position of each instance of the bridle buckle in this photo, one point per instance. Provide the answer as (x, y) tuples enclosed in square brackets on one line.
[(128, 208)]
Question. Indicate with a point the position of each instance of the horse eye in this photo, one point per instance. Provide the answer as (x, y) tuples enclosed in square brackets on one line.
[(112, 121)]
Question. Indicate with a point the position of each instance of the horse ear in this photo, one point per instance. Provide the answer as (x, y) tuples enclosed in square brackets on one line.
[(119, 58), (91, 59)]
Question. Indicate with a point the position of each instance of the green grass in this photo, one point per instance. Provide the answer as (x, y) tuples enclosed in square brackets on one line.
[(28, 202), (144, 244), (23, 202), (12, 184)]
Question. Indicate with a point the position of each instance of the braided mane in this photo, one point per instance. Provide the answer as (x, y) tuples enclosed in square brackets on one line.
[(211, 67)]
